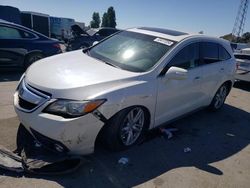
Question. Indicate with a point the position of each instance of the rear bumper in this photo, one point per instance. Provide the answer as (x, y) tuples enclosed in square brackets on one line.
[(243, 75)]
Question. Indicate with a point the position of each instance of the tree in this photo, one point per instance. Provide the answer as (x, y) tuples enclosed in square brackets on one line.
[(105, 20), (111, 17), (95, 23), (246, 37)]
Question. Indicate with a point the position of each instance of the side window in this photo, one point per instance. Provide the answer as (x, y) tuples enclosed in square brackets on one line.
[(187, 58), (26, 35), (9, 33), (209, 52), (223, 54)]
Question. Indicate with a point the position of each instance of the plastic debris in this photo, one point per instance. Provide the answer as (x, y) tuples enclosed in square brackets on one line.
[(123, 160), (187, 150), (168, 132), (230, 134), (38, 144), (36, 159)]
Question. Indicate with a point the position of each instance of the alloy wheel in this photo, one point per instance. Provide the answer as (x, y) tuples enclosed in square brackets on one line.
[(220, 97), (132, 126)]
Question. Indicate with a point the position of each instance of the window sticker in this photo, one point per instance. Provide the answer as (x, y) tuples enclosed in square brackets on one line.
[(163, 41)]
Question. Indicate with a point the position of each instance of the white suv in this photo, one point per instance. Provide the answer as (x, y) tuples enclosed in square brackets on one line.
[(123, 86)]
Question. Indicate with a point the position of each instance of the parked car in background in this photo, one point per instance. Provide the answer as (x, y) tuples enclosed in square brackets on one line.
[(83, 39), (118, 89), (20, 46), (243, 65)]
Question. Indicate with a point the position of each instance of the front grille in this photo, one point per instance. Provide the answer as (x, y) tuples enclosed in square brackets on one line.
[(25, 104), (28, 98)]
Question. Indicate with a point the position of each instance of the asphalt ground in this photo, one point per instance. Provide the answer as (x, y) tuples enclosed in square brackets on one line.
[(219, 156)]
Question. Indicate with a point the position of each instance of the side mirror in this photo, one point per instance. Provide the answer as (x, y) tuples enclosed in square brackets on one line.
[(176, 73), (95, 43)]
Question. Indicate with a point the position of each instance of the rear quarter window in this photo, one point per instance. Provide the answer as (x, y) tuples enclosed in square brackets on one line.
[(223, 54)]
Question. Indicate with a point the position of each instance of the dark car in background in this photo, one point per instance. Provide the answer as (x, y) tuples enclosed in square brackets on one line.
[(83, 39), (20, 46)]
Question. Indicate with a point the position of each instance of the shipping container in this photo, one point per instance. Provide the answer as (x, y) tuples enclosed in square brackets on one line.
[(37, 21)]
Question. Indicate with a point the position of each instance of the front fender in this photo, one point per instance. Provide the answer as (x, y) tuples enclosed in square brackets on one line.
[(141, 93)]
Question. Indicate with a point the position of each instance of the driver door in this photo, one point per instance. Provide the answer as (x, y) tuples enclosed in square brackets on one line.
[(177, 97)]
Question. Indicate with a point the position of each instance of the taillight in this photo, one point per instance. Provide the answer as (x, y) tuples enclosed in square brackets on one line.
[(56, 46)]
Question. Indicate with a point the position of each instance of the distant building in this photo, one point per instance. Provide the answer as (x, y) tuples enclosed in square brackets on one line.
[(60, 28), (10, 14)]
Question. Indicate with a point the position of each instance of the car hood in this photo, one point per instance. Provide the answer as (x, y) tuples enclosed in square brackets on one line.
[(73, 70)]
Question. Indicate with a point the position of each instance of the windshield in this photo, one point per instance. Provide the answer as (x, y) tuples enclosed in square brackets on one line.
[(131, 51)]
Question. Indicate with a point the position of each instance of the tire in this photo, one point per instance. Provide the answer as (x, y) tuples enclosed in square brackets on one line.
[(31, 59), (219, 98), (23, 139), (121, 126)]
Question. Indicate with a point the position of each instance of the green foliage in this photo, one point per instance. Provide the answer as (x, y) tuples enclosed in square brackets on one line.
[(105, 20), (95, 23), (245, 38), (109, 18)]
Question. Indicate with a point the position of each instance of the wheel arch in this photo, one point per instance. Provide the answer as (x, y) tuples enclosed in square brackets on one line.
[(148, 119), (229, 84)]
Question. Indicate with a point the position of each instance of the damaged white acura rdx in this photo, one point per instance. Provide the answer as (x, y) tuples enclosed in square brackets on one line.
[(122, 87)]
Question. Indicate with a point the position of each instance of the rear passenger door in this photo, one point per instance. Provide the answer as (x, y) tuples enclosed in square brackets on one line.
[(212, 57), (13, 46)]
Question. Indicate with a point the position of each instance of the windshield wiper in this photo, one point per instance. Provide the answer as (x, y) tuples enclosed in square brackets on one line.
[(108, 63)]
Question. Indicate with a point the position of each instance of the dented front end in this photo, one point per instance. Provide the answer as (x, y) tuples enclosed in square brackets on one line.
[(72, 135)]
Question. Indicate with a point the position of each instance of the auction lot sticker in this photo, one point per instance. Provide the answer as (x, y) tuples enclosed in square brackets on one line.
[(163, 41)]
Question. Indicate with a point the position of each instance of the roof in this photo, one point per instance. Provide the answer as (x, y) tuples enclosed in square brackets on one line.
[(163, 33), (35, 13)]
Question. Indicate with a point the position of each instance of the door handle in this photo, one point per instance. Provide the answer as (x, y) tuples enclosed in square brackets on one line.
[(197, 78)]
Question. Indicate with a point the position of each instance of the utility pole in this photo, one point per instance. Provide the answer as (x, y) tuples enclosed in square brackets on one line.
[(240, 19)]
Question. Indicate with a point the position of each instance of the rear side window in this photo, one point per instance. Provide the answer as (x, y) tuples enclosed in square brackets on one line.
[(26, 35), (209, 52), (187, 58), (9, 33), (223, 54)]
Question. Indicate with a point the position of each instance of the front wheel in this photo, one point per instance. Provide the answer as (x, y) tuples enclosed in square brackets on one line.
[(125, 129), (219, 98)]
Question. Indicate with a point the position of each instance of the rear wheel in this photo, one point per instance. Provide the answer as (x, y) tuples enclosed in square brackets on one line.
[(125, 129), (31, 59), (219, 98)]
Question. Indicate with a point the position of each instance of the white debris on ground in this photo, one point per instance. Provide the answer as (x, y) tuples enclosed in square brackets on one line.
[(123, 161), (187, 150), (168, 132)]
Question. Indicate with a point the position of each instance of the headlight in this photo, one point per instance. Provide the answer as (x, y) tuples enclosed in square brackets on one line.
[(71, 108)]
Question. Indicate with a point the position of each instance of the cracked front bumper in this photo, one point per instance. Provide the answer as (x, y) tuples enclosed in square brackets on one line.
[(78, 135)]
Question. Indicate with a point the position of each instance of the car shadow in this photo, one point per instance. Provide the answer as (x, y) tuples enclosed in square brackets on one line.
[(242, 85), (211, 137), (10, 75)]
